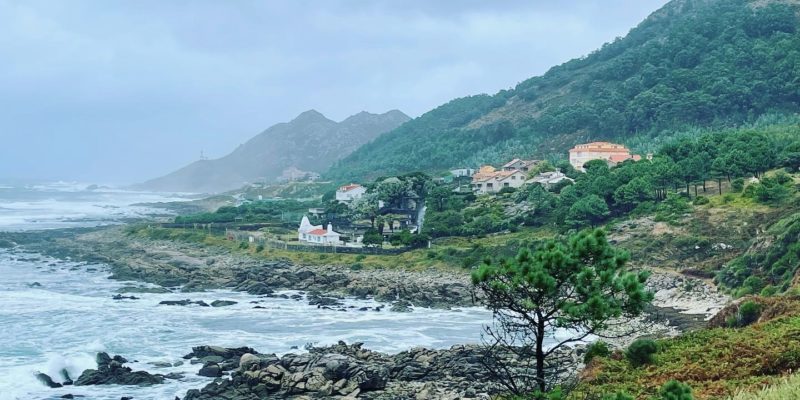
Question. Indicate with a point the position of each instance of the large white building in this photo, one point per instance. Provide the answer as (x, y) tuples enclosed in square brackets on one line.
[(350, 193), (611, 153), (316, 234)]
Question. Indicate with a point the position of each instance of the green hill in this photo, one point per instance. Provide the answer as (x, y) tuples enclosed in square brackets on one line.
[(692, 63)]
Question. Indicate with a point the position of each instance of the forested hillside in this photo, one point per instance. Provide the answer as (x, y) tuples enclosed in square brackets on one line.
[(692, 63)]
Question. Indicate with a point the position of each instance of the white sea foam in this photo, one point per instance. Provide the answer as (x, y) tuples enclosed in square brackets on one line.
[(71, 316)]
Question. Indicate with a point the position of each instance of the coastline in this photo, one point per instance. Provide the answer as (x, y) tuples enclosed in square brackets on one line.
[(189, 267)]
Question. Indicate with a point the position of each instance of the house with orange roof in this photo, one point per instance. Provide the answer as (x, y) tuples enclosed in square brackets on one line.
[(489, 180), (612, 153)]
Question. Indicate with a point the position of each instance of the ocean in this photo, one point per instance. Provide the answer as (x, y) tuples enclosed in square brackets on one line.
[(57, 314)]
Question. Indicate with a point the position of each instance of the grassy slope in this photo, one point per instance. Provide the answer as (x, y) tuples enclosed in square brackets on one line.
[(716, 363), (788, 388)]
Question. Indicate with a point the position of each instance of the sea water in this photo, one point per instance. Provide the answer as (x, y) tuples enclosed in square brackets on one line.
[(57, 314)]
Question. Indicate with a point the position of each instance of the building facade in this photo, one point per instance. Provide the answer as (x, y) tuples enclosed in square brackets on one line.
[(316, 234), (520, 165), (490, 180), (611, 153), (350, 193)]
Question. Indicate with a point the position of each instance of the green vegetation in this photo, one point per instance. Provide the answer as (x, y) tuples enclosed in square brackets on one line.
[(690, 64), (787, 389), (579, 284), (596, 349), (772, 263), (259, 211), (716, 363), (674, 390), (641, 352)]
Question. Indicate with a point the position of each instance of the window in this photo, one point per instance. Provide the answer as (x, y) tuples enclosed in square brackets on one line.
[(488, 185), (506, 184)]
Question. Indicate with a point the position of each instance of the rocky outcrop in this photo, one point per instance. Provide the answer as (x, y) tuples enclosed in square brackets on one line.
[(111, 371), (349, 371), (186, 302)]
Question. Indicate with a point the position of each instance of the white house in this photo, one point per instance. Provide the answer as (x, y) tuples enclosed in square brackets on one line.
[(462, 172), (547, 179), (350, 193), (520, 165), (315, 234), (490, 180)]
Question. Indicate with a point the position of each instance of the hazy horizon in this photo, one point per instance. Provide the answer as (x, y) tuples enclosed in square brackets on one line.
[(119, 93)]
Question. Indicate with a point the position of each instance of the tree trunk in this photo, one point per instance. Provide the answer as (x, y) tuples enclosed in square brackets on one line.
[(540, 328), (695, 190), (719, 185), (688, 194), (704, 185)]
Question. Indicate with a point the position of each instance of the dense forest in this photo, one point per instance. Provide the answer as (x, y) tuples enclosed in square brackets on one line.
[(694, 63)]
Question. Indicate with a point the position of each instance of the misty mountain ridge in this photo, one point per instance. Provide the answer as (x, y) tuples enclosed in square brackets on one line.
[(310, 142)]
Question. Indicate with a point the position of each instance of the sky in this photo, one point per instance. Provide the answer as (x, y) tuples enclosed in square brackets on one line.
[(117, 92)]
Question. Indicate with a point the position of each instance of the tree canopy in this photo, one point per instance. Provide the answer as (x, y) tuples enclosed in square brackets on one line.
[(579, 286)]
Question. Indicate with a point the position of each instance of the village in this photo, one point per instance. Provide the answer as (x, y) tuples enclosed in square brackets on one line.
[(396, 211)]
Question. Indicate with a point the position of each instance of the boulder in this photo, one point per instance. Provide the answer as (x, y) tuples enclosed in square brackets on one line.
[(222, 303), (111, 371), (47, 380), (401, 306), (211, 370)]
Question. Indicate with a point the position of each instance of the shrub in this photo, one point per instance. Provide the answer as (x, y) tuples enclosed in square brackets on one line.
[(701, 200), (596, 349), (507, 190), (641, 352), (259, 248), (618, 396), (356, 267), (737, 185), (783, 178), (360, 257), (769, 290), (727, 198), (674, 390), (749, 312), (244, 245)]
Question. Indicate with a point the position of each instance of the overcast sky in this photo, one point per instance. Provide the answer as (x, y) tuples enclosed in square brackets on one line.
[(121, 91)]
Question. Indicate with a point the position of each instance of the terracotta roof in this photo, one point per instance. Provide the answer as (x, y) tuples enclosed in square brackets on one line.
[(349, 187), (501, 175), (600, 147), (318, 232), (620, 157)]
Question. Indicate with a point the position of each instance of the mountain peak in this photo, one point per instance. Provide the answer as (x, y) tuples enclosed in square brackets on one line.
[(310, 142), (311, 116)]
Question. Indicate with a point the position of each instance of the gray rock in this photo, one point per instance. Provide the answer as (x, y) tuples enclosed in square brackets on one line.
[(47, 380), (211, 370), (110, 371)]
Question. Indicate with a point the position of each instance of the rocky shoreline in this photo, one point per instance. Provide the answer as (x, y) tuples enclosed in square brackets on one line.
[(341, 370), (188, 267)]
